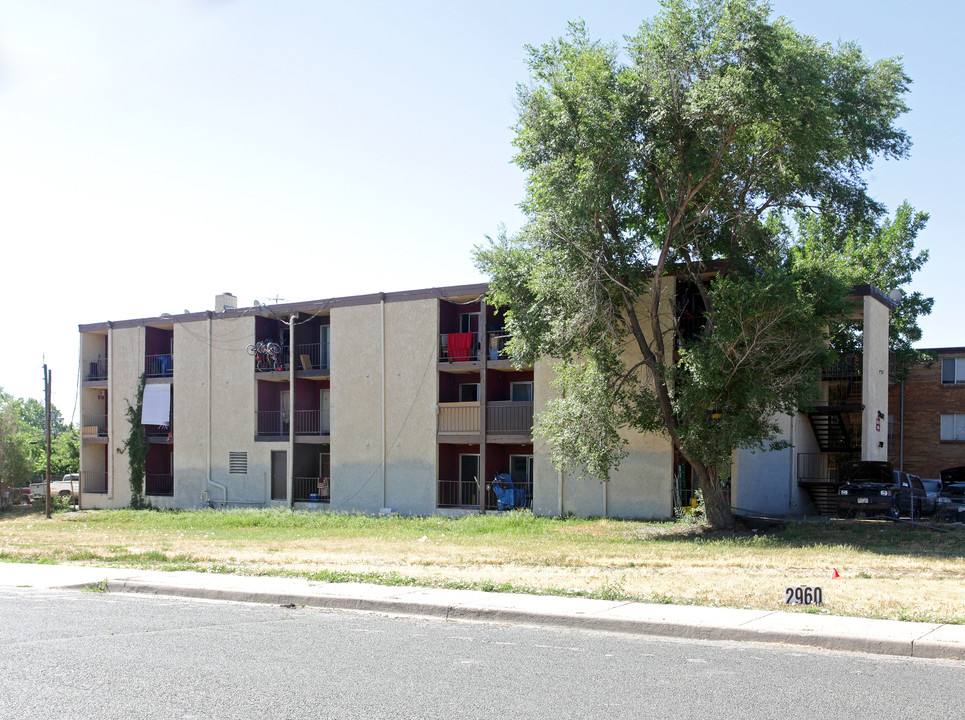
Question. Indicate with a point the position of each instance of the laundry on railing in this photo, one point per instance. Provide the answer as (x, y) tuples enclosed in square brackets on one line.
[(460, 346)]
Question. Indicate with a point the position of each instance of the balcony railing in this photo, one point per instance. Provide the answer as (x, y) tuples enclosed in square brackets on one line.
[(93, 481), (846, 366), (275, 422), (496, 345), (97, 370), (158, 484), (458, 347), (159, 365), (312, 356), (271, 422), (462, 494), (305, 487), (816, 468), (93, 426), (505, 418), (270, 359), (457, 418)]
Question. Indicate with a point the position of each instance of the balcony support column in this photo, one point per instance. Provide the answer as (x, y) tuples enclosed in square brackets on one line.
[(483, 410), (290, 460)]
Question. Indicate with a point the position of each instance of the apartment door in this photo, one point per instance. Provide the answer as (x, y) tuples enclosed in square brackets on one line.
[(468, 474), (279, 475), (286, 406), (521, 471), (325, 411)]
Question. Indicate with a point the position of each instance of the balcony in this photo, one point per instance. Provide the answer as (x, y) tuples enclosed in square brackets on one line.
[(159, 484), (93, 481), (459, 418), (846, 366), (96, 370), (275, 423), (305, 487), (458, 347), (156, 366), (509, 418), (502, 418), (312, 356), (93, 426)]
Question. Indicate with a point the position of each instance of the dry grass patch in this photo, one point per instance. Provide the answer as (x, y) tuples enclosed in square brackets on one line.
[(887, 570)]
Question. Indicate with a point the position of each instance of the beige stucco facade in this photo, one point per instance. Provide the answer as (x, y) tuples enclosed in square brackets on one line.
[(387, 374)]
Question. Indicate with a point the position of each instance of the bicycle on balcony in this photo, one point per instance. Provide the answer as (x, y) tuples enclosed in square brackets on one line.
[(267, 355)]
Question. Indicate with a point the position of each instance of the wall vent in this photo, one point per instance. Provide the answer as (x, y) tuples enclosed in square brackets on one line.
[(238, 463)]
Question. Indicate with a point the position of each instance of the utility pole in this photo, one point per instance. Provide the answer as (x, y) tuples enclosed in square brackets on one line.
[(47, 433)]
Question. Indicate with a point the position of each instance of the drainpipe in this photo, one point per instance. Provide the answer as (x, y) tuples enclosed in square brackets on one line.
[(210, 481), (382, 345)]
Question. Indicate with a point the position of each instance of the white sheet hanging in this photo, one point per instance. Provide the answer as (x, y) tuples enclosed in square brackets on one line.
[(157, 405)]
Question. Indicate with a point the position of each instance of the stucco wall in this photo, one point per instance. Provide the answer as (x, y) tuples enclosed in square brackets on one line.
[(227, 389), (410, 409), (126, 363)]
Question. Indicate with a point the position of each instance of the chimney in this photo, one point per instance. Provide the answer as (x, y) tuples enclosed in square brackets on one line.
[(225, 301)]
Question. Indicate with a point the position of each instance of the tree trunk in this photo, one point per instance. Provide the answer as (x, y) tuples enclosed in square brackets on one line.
[(719, 515)]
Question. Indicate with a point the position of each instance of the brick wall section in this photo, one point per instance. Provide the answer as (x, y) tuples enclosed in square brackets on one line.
[(926, 399)]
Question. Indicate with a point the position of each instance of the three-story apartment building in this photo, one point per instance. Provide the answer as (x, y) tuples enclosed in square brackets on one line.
[(401, 401)]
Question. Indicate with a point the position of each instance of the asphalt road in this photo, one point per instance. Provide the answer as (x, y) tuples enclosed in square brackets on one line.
[(66, 654)]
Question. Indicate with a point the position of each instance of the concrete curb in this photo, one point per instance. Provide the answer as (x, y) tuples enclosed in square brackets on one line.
[(883, 637)]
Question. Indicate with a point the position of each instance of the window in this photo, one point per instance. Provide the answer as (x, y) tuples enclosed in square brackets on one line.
[(238, 463), (953, 427), (521, 391), (953, 371), (469, 322), (469, 392)]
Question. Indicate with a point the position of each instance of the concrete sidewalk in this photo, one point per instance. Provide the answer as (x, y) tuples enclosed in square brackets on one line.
[(886, 637)]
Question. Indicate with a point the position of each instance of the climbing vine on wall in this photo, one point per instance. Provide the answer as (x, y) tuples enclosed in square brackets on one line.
[(136, 447)]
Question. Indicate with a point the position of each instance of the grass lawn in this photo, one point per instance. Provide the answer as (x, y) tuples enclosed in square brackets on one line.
[(886, 570)]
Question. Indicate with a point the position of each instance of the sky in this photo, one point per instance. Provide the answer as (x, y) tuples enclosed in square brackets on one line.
[(156, 153)]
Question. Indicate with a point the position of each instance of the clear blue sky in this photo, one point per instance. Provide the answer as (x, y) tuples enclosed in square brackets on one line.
[(154, 153)]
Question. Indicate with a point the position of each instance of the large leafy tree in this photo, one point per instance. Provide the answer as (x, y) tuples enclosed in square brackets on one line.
[(25, 455), (876, 250), (672, 167)]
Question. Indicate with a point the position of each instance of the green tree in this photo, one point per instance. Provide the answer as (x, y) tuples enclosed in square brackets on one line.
[(15, 461), (676, 168), (874, 250)]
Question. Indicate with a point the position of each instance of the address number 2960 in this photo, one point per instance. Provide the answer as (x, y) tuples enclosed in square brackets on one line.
[(803, 595)]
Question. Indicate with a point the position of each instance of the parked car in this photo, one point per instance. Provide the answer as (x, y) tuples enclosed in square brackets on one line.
[(951, 499), (67, 487), (874, 487), (924, 504)]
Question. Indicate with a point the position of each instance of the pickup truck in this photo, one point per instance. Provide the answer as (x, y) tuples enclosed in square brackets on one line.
[(69, 486)]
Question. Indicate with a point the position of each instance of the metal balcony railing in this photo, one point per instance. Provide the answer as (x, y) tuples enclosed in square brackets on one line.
[(275, 422), (458, 347), (97, 370), (93, 426), (93, 481), (159, 365), (312, 356), (846, 366), (158, 484), (462, 494), (305, 487)]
